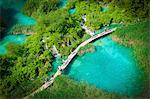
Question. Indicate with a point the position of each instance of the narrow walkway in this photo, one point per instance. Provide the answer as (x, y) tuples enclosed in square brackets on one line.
[(68, 60), (87, 30)]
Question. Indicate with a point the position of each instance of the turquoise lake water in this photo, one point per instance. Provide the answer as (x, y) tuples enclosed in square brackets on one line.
[(17, 39), (63, 3), (72, 11), (11, 12), (111, 67), (104, 9)]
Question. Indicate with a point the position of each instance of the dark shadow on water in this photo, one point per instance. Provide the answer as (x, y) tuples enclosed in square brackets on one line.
[(7, 19), (100, 38), (67, 70), (7, 14), (2, 34)]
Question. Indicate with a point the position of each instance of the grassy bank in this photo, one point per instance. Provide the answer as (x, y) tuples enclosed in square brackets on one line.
[(65, 88), (32, 60), (137, 37)]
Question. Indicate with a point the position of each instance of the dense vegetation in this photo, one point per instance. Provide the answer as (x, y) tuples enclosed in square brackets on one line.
[(22, 65), (120, 11), (137, 36), (25, 67), (64, 88), (31, 62), (22, 29), (39, 7), (60, 29)]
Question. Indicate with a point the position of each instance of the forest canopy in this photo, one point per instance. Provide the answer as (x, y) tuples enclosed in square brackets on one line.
[(26, 66)]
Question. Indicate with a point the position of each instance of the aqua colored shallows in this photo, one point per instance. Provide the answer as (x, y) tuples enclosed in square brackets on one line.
[(111, 68), (17, 39), (12, 13), (22, 19), (72, 11), (104, 9), (63, 3)]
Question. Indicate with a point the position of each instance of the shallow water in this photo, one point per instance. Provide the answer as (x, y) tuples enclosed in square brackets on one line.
[(104, 9), (17, 39), (72, 11), (111, 68), (63, 3), (11, 12)]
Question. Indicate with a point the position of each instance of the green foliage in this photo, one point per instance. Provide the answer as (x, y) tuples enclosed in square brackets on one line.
[(92, 11), (107, 1), (65, 88), (60, 29), (137, 36), (22, 29), (31, 6), (52, 21), (5, 65), (118, 11), (135, 8), (33, 59), (139, 31), (25, 63), (96, 18), (39, 7), (25, 66)]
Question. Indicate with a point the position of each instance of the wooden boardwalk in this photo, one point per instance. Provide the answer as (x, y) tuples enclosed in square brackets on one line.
[(87, 30), (68, 60)]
